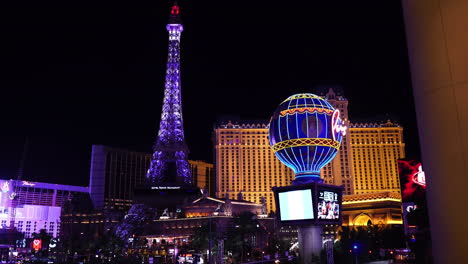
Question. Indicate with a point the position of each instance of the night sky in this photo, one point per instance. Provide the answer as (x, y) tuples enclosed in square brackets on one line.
[(77, 74)]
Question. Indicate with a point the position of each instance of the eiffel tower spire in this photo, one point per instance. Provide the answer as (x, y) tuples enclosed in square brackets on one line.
[(169, 163)]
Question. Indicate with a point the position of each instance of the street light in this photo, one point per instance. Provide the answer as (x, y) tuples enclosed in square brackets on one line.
[(355, 252)]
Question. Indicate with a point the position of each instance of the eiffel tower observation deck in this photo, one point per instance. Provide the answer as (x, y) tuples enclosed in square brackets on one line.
[(169, 178)]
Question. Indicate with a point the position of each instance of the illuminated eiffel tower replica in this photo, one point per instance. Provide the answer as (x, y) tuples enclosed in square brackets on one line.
[(169, 178)]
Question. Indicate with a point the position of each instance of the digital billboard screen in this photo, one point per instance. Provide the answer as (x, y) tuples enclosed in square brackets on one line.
[(313, 203), (413, 193), (296, 205), (328, 205), (412, 181)]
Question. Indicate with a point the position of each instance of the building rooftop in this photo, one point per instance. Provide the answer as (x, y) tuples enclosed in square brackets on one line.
[(371, 197), (52, 186)]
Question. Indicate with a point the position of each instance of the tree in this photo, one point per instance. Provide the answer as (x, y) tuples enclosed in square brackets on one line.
[(202, 235), (135, 222), (276, 245), (75, 235), (45, 239), (365, 242), (43, 235), (242, 233)]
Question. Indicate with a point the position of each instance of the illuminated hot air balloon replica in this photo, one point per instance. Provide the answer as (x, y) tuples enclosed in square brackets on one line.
[(305, 133)]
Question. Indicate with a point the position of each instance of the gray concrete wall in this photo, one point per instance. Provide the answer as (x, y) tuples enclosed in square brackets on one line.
[(437, 37)]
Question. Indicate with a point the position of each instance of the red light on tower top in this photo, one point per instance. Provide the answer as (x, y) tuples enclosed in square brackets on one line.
[(175, 9), (174, 17)]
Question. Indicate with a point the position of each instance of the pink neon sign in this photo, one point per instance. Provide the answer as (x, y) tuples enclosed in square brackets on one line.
[(37, 244), (336, 124)]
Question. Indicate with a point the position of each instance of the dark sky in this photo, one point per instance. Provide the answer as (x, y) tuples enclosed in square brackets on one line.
[(77, 74)]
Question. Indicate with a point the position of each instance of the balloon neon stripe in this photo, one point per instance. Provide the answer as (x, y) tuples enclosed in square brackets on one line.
[(298, 142), (303, 110)]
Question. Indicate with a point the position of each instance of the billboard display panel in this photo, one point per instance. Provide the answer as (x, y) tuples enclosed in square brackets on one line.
[(413, 194), (312, 203), (412, 181), (328, 206), (296, 205)]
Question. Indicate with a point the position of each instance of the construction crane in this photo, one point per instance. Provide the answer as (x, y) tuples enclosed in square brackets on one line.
[(14, 186)]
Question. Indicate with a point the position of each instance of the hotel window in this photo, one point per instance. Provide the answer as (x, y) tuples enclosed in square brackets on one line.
[(28, 228)]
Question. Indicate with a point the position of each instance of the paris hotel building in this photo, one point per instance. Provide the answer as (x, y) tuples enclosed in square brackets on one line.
[(365, 163)]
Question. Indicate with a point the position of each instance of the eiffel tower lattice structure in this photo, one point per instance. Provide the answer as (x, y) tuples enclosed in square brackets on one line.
[(169, 164)]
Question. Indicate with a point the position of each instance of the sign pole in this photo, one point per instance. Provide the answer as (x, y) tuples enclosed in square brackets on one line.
[(310, 243)]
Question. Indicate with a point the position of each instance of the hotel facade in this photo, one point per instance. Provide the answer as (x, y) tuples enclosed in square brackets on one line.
[(245, 163), (33, 206), (367, 161), (376, 148)]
